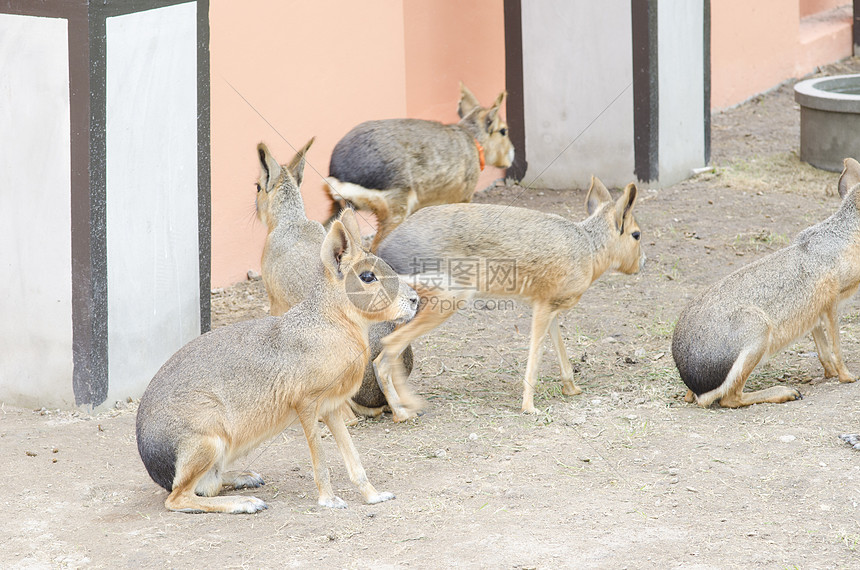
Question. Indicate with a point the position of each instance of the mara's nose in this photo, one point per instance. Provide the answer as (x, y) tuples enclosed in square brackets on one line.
[(413, 300)]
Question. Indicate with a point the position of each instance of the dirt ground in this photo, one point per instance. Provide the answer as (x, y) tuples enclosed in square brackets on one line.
[(625, 475)]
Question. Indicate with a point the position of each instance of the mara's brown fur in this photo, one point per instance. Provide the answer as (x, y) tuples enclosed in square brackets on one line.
[(290, 261), (394, 167), (290, 265), (543, 259), (724, 333), (229, 390)]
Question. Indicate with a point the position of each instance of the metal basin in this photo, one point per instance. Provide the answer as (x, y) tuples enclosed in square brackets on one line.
[(829, 120)]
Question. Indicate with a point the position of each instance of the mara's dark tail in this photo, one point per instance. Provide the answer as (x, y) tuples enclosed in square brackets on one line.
[(158, 455), (338, 205), (703, 366)]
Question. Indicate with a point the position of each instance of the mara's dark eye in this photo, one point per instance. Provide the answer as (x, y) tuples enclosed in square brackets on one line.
[(636, 235), (367, 276), (503, 131), (258, 186)]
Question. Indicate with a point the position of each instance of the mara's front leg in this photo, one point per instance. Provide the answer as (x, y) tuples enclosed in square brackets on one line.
[(350, 458), (542, 317), (436, 307), (830, 347), (327, 498)]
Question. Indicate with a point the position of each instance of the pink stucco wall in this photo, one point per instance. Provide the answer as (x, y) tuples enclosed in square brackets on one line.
[(448, 41), (752, 47), (446, 44), (757, 45), (810, 7), (318, 69), (303, 74)]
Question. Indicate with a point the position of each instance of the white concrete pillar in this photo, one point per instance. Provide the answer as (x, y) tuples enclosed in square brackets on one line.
[(104, 201)]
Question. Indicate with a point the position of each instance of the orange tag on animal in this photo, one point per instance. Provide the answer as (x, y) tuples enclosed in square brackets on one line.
[(480, 154)]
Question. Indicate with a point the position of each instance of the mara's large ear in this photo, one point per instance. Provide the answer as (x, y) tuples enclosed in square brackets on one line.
[(497, 104), (850, 176), (493, 113), (297, 164), (270, 170), (347, 218), (338, 248), (468, 102), (624, 207), (597, 195)]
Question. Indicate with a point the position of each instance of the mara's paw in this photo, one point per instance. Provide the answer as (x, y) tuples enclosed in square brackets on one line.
[(852, 439), (249, 505), (780, 394), (410, 401), (382, 368), (689, 397), (249, 480), (380, 497), (847, 379), (568, 388), (402, 414), (332, 502), (530, 409), (351, 422)]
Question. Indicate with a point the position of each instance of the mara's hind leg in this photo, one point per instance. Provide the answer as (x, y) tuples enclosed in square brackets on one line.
[(825, 356), (350, 458), (358, 409), (437, 306), (542, 317), (398, 205), (195, 466), (244, 480), (747, 360), (348, 413), (829, 346), (568, 388)]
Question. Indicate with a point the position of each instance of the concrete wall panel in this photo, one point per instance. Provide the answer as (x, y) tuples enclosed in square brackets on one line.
[(578, 98), (35, 214), (681, 79), (152, 242)]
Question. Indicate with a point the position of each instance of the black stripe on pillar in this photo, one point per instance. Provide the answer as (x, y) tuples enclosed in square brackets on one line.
[(204, 171), (856, 27), (89, 253), (92, 388), (646, 108), (706, 66), (515, 109)]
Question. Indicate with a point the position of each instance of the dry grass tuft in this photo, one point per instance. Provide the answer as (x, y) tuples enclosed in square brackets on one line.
[(782, 172)]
